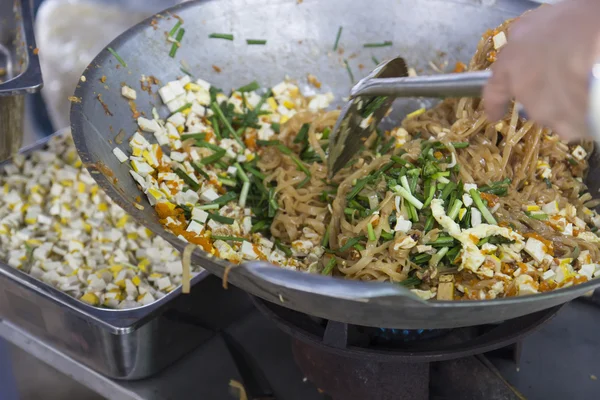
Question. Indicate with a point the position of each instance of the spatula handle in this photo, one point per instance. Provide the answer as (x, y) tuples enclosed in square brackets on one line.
[(467, 84)]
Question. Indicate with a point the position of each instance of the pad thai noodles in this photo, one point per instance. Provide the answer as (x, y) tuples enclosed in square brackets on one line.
[(448, 204)]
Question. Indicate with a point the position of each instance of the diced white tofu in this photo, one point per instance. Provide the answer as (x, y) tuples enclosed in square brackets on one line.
[(524, 285), (177, 119), (467, 200), (176, 103), (402, 225), (195, 227), (588, 270), (475, 217), (320, 101), (163, 283), (128, 93), (148, 125), (568, 231), (232, 170), (199, 215), (536, 249), (121, 156), (499, 40), (177, 156), (280, 88), (548, 275), (551, 208), (248, 251), (301, 248), (579, 153), (205, 85), (209, 195), (184, 80)]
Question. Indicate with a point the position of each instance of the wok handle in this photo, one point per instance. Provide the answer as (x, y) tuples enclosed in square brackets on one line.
[(467, 84), (281, 280)]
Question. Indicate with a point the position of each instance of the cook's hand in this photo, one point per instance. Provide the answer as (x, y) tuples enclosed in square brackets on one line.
[(546, 66)]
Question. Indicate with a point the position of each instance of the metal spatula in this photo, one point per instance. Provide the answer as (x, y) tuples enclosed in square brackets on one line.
[(373, 96)]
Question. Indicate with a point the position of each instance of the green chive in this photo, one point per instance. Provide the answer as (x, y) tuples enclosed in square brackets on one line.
[(226, 36), (376, 61), (244, 194), (329, 267), (241, 173), (429, 223), (283, 248), (276, 127), (256, 41), (215, 126), (350, 243), (209, 207), (337, 38), (302, 136), (227, 181), (538, 216), (273, 206), (455, 209), (197, 136), (226, 198), (212, 158), (359, 247), (387, 235), (118, 57), (409, 197), (325, 241), (421, 258), (437, 257), (217, 110), (176, 45), (255, 172), (548, 183), (572, 161), (183, 107), (174, 30), (442, 241), (221, 219), (185, 71), (382, 44), (228, 238), (252, 86), (350, 74), (410, 282), (460, 145), (259, 226), (186, 178), (430, 195), (371, 232), (484, 211)]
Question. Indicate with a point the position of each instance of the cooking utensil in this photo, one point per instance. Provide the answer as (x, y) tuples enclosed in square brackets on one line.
[(419, 29), (19, 72)]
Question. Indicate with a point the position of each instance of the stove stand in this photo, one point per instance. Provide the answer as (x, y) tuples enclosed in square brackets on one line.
[(351, 362)]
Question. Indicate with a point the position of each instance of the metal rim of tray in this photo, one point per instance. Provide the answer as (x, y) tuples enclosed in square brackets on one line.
[(326, 297)]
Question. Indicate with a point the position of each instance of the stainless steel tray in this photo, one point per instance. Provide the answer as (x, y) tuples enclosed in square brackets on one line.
[(123, 344), (19, 71)]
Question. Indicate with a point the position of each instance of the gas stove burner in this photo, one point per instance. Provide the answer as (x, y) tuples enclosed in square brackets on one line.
[(357, 362), (389, 336)]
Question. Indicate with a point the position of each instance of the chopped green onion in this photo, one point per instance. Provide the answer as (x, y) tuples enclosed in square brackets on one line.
[(350, 74), (387, 235), (337, 38), (259, 226), (448, 189), (186, 178), (329, 267), (118, 57), (371, 232), (455, 209), (360, 184), (421, 258), (196, 136), (404, 182), (382, 44), (217, 110), (539, 216), (176, 45), (487, 215), (325, 241), (227, 181), (174, 30), (209, 207), (185, 71), (256, 41), (548, 183), (255, 172), (412, 281), (183, 107), (430, 195), (226, 36), (376, 61), (349, 211), (460, 145), (273, 206), (437, 257), (283, 248), (241, 173), (350, 243), (252, 86), (359, 247), (244, 193), (226, 198), (429, 223), (212, 158), (302, 136), (228, 238), (572, 161), (373, 105), (276, 127), (409, 197), (442, 241), (221, 219)]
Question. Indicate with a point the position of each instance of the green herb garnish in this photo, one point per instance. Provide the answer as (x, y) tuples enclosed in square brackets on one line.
[(381, 44), (187, 179), (176, 45), (220, 218), (117, 56), (350, 74), (256, 41), (226, 36), (252, 86)]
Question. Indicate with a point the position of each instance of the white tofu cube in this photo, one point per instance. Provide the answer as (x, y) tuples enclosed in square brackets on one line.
[(195, 227), (209, 195), (535, 249), (177, 119), (499, 40), (148, 125), (402, 225), (579, 153), (128, 93), (199, 215), (248, 251), (122, 157), (475, 217)]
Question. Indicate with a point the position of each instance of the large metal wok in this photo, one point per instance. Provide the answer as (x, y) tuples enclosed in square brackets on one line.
[(300, 39)]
